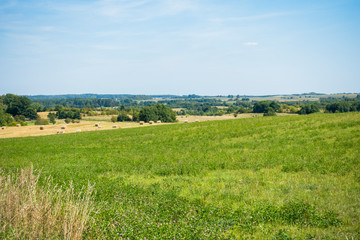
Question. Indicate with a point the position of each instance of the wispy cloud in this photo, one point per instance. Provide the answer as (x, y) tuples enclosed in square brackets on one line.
[(46, 28), (108, 47), (252, 18), (177, 6), (251, 43), (116, 8)]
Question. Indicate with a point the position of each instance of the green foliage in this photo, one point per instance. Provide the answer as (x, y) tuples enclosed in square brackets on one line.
[(52, 117), (308, 109), (40, 121), (68, 120), (282, 235), (5, 119), (269, 112), (135, 116), (123, 117), (343, 106), (63, 113), (157, 112), (113, 119), (289, 177), (264, 106), (18, 105)]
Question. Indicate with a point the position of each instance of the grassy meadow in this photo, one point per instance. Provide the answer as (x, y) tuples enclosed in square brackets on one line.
[(288, 177)]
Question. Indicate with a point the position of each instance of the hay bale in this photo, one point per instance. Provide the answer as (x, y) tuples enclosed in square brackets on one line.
[(197, 120), (63, 127), (141, 122), (42, 127), (114, 126), (18, 125), (186, 121), (151, 122), (97, 124), (79, 130), (159, 121), (2, 128)]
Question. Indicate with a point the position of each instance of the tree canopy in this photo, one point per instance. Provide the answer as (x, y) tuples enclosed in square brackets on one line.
[(157, 112)]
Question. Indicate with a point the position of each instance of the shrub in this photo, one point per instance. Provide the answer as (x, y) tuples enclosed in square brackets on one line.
[(41, 121), (269, 112), (5, 119), (113, 119), (308, 109), (52, 117), (68, 120), (123, 117)]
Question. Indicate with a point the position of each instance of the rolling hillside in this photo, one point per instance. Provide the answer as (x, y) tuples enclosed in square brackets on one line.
[(290, 177)]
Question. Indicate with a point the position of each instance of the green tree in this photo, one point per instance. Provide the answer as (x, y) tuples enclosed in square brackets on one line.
[(123, 117), (308, 109), (19, 105), (269, 112), (263, 106), (5, 118), (113, 119), (52, 117), (157, 112)]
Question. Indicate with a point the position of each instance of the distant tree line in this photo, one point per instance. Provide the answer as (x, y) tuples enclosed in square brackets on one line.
[(343, 106)]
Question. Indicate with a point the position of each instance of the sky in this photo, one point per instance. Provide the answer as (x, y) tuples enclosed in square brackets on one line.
[(205, 47)]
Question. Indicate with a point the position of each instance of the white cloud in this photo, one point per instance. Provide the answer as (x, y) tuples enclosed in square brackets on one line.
[(251, 43), (46, 28), (107, 47), (177, 6), (252, 18)]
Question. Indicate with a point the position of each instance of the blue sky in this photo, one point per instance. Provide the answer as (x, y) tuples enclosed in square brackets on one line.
[(206, 47)]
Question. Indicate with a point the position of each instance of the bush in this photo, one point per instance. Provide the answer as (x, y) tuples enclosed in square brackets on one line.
[(269, 112), (263, 106), (41, 121), (308, 109), (52, 117), (123, 117), (5, 119), (68, 120), (113, 119)]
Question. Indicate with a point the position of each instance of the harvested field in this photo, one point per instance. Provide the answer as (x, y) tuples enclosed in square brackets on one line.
[(88, 124)]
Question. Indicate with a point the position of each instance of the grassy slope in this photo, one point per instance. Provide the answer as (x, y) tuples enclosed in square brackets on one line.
[(275, 177)]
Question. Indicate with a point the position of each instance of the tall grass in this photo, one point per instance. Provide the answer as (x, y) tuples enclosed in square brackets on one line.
[(29, 210)]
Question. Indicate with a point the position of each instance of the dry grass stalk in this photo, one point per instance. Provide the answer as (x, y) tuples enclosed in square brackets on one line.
[(31, 211)]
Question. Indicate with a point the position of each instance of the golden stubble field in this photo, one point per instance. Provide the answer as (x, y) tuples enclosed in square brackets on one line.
[(88, 124)]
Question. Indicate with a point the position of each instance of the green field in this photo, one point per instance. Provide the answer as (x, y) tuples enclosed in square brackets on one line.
[(290, 177)]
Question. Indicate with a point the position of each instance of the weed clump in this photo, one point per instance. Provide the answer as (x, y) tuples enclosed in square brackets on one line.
[(31, 211)]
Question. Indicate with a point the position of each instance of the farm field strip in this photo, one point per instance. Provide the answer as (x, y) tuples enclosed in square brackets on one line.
[(88, 124)]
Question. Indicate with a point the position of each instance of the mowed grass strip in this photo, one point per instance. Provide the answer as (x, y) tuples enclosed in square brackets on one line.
[(293, 177)]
